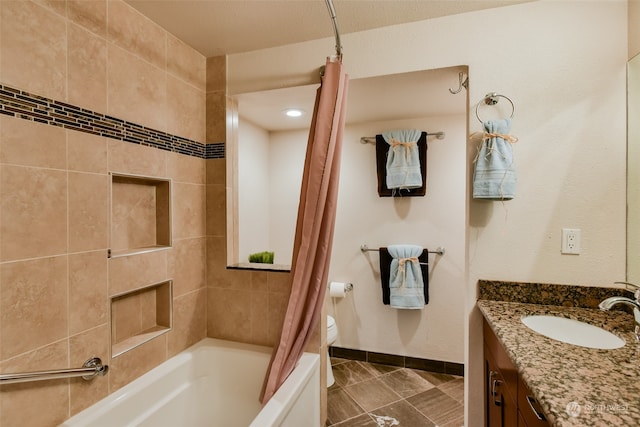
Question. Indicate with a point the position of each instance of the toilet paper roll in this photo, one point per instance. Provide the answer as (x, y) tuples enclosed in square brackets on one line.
[(337, 289)]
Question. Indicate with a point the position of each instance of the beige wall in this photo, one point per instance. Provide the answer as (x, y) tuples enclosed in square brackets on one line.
[(634, 27), (55, 278), (564, 68)]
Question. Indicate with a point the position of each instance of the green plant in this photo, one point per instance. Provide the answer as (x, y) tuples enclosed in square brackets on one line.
[(265, 257)]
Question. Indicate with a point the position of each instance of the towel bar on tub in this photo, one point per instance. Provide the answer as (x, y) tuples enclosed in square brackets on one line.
[(90, 369), (364, 248), (372, 139)]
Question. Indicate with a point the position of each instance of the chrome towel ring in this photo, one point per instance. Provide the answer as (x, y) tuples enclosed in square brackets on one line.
[(492, 99)]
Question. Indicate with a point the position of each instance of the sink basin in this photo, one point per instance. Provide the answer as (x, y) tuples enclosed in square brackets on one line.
[(573, 332)]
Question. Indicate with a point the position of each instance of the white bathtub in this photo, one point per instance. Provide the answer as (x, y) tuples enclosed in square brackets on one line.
[(214, 383)]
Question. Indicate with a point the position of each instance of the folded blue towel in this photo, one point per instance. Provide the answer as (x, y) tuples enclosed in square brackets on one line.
[(403, 160), (494, 176), (406, 286)]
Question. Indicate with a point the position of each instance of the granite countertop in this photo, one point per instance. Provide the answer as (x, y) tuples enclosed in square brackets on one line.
[(604, 383)]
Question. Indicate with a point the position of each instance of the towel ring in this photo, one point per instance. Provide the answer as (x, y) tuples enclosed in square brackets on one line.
[(492, 99)]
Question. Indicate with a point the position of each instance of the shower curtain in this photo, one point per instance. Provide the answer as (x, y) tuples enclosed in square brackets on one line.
[(314, 226)]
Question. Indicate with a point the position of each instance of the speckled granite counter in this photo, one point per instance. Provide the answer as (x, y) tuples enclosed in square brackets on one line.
[(604, 383)]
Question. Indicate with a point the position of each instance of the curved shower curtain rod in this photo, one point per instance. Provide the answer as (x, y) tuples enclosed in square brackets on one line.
[(332, 12)]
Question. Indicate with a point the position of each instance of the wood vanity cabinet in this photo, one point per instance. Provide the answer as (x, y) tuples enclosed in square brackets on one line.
[(506, 395)]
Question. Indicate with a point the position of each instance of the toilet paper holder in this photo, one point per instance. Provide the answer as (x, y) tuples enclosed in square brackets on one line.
[(348, 287)]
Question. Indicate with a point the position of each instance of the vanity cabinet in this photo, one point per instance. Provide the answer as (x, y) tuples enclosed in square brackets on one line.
[(508, 400)]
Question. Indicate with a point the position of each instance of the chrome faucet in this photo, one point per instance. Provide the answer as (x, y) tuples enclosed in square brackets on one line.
[(609, 303)]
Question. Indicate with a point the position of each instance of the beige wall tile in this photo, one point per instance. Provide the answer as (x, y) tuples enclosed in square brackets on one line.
[(186, 63), (125, 317), (135, 159), (216, 210), (135, 271), (229, 314), (27, 143), (86, 152), (57, 6), (33, 305), (188, 210), (133, 216), (87, 68), (277, 310), (33, 212), (82, 347), (217, 73), (91, 15), (136, 33), (186, 169), (36, 404), (135, 362), (260, 318), (88, 211), (189, 321), (148, 309), (216, 171), (185, 110), (33, 49), (187, 261), (136, 89), (259, 281), (279, 282), (216, 117), (88, 301)]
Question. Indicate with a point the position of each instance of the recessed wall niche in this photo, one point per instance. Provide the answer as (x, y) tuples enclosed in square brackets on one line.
[(140, 214), (140, 315)]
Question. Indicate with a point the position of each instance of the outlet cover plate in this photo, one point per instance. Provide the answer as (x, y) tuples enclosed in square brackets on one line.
[(571, 241)]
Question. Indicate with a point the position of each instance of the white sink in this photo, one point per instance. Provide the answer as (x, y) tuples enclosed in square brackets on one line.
[(573, 332)]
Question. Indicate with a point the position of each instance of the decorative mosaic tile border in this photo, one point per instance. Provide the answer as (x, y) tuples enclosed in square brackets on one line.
[(24, 105)]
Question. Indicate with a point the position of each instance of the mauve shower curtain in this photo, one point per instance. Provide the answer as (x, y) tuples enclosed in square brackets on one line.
[(314, 226)]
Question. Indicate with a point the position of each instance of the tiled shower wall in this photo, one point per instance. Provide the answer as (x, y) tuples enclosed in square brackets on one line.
[(243, 305), (97, 58), (88, 88)]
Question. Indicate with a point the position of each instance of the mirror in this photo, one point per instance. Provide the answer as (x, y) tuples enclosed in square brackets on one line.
[(266, 157), (633, 170)]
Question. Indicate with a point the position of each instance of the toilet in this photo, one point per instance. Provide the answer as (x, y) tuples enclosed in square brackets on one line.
[(332, 335)]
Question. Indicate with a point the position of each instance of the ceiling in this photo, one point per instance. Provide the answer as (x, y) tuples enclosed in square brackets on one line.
[(390, 97), (224, 27)]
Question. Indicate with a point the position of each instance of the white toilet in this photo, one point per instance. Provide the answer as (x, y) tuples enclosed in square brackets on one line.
[(332, 335)]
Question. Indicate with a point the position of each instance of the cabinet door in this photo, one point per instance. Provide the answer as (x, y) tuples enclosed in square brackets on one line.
[(529, 408), (501, 409)]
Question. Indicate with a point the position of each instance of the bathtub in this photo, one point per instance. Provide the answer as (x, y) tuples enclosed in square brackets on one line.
[(214, 383)]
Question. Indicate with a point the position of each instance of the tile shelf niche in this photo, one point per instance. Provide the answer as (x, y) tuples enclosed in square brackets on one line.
[(140, 214), (140, 315)]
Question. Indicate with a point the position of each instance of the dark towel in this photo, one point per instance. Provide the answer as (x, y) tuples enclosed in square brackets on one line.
[(382, 148), (385, 271)]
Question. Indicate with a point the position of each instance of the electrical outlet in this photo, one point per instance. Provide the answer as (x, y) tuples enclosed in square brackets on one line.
[(571, 241)]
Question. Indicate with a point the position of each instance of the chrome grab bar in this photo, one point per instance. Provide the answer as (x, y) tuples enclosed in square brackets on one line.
[(90, 369)]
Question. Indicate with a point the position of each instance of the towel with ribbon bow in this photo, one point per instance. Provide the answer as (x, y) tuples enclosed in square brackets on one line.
[(406, 286), (494, 176), (403, 161)]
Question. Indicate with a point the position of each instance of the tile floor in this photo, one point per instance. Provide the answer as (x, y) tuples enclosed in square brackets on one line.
[(373, 395)]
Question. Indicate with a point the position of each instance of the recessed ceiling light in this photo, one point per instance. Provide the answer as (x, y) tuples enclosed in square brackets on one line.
[(293, 112)]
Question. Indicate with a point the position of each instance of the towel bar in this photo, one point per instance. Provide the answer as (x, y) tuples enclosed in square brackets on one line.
[(372, 139), (364, 248)]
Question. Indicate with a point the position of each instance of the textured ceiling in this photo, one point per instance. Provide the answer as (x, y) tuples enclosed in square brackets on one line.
[(219, 27)]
